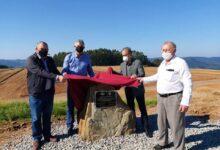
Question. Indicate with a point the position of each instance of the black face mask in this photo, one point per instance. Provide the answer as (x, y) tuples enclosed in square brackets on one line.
[(43, 53), (79, 49)]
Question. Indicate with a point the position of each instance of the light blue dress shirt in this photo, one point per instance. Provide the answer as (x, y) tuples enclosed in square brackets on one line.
[(78, 65)]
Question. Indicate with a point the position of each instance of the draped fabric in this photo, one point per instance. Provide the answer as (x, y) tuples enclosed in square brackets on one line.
[(80, 84)]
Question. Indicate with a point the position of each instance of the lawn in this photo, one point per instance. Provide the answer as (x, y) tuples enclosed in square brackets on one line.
[(12, 111)]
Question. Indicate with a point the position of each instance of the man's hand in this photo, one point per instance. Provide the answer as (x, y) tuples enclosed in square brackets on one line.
[(140, 80), (134, 76), (61, 78), (183, 108), (64, 75)]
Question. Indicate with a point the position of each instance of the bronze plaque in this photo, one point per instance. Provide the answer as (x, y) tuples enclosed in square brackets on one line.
[(105, 99)]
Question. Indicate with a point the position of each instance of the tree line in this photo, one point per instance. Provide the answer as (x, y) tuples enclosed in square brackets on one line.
[(3, 66), (107, 57)]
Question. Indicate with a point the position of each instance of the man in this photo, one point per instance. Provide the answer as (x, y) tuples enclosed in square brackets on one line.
[(41, 75), (133, 68), (76, 63), (174, 87)]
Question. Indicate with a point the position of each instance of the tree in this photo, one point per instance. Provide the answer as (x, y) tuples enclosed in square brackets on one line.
[(104, 57), (156, 62), (59, 58), (3, 66)]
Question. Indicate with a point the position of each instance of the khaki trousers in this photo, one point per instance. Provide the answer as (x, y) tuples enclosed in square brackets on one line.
[(168, 112)]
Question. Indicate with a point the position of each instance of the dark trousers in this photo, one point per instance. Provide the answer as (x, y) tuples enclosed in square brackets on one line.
[(130, 96), (70, 109), (41, 110)]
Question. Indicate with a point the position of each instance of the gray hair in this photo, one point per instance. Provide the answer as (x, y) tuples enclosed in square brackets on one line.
[(41, 42), (128, 49), (170, 42), (81, 42)]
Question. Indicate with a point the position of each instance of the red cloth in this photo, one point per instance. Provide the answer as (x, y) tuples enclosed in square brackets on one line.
[(80, 84)]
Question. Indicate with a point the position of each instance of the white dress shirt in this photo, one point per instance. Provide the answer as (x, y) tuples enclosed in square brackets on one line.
[(173, 77)]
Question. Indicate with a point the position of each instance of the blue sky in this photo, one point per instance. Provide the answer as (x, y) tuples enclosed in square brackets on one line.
[(194, 25)]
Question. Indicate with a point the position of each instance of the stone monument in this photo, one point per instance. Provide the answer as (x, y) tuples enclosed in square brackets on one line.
[(105, 114)]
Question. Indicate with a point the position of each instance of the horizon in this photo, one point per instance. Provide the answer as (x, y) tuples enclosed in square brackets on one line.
[(147, 57), (143, 26)]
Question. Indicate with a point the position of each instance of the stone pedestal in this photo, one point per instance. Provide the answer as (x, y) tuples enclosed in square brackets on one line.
[(96, 123)]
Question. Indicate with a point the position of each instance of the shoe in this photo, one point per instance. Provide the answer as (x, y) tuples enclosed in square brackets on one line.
[(36, 145), (146, 125), (148, 132), (51, 139), (72, 131), (159, 147)]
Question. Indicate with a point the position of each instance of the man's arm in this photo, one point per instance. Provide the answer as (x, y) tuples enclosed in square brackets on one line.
[(66, 64), (33, 67), (141, 72), (186, 79), (89, 68), (149, 79)]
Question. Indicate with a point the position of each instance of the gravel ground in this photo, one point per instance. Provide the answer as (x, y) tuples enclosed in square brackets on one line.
[(200, 134)]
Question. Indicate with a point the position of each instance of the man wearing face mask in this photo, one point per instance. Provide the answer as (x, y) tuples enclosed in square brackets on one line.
[(76, 63), (174, 88), (41, 75), (133, 68)]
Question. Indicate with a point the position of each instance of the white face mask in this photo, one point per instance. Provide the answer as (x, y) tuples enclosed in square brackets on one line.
[(167, 55), (125, 58)]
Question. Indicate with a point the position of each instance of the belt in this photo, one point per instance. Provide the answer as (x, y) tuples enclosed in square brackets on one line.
[(169, 94)]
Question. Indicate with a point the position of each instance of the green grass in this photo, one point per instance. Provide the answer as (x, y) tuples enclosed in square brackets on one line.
[(14, 110), (151, 102), (11, 111), (20, 110), (148, 102), (59, 108)]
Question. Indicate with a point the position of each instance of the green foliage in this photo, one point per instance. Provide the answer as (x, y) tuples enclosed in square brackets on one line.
[(157, 62), (141, 57), (59, 58), (3, 66), (104, 57), (148, 102), (21, 110), (13, 111), (59, 109), (151, 102)]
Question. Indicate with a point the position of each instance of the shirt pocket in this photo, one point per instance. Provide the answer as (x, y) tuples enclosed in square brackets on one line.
[(171, 76)]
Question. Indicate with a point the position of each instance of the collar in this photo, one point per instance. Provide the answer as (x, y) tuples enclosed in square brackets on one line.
[(74, 54), (129, 64), (38, 55)]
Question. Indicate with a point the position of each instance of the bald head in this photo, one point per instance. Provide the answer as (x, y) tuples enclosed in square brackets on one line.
[(169, 46)]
